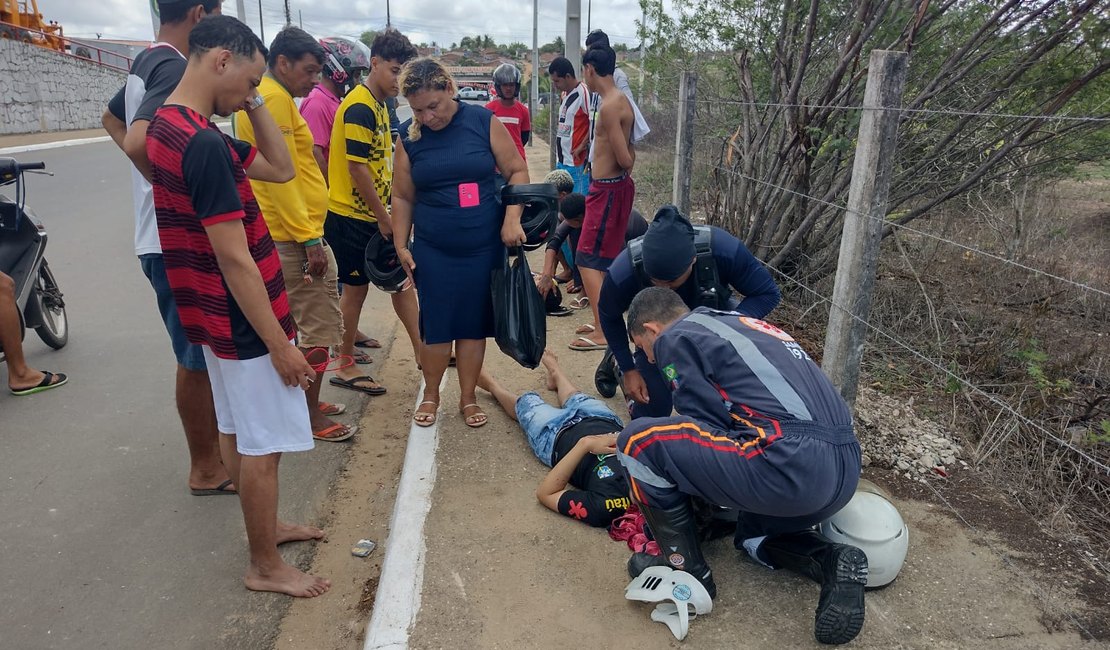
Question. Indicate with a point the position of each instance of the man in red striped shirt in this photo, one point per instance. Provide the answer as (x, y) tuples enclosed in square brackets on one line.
[(225, 275)]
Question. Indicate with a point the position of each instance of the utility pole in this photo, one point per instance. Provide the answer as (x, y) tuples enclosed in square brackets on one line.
[(288, 14), (684, 141), (388, 22), (241, 10), (154, 18), (589, 14), (573, 41), (533, 98), (261, 23), (864, 219), (300, 18), (643, 57)]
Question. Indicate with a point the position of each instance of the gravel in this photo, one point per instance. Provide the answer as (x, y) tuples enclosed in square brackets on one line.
[(893, 436)]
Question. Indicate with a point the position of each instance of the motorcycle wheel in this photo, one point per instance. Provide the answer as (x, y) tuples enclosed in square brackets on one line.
[(54, 330)]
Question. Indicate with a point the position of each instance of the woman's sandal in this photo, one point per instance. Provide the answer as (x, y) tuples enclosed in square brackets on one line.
[(423, 418), (471, 420)]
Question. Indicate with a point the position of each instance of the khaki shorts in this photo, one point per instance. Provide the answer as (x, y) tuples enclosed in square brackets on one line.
[(315, 306)]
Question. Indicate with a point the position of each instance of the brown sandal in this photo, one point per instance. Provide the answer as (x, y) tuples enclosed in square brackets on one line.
[(423, 418)]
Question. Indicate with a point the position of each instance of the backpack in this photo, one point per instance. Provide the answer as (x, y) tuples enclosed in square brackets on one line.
[(711, 293)]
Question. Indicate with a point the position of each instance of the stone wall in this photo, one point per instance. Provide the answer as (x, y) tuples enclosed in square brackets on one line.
[(42, 90)]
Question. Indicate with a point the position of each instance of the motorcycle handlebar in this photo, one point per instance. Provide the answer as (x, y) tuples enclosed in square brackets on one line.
[(31, 166)]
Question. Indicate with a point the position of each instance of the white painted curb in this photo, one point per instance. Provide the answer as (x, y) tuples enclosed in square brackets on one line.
[(402, 580), (53, 145)]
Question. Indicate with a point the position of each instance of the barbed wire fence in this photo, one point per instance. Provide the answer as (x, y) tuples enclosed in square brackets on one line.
[(1048, 466)]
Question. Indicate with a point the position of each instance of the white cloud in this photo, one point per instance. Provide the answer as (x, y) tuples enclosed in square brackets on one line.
[(443, 21)]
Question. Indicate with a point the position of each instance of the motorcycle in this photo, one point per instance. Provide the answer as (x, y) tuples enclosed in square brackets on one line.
[(22, 257)]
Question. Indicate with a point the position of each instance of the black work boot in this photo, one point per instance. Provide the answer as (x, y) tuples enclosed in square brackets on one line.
[(676, 533), (840, 569), (605, 377)]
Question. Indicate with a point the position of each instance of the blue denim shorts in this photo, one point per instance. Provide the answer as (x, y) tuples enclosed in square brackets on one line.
[(542, 422), (189, 355)]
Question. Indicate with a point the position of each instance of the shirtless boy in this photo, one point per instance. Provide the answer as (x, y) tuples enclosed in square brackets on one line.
[(609, 203)]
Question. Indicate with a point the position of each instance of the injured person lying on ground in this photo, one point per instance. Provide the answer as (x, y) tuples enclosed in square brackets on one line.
[(575, 439)]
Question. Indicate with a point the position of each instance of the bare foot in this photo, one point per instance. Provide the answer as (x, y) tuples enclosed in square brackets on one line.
[(287, 532), (286, 580), (551, 367)]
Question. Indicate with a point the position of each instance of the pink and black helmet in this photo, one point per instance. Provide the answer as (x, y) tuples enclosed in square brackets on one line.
[(345, 60)]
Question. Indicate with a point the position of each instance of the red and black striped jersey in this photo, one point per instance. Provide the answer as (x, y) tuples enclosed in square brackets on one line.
[(200, 180)]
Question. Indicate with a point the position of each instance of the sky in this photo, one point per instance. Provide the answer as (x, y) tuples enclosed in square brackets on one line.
[(442, 21)]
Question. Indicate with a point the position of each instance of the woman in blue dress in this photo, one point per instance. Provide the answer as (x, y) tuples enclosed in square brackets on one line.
[(445, 195)]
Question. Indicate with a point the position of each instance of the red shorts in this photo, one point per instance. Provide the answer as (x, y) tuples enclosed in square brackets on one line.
[(608, 206)]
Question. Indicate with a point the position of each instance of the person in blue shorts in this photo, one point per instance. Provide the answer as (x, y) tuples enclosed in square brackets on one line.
[(576, 440)]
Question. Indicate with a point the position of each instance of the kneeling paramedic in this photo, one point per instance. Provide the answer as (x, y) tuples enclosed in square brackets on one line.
[(703, 265), (759, 429)]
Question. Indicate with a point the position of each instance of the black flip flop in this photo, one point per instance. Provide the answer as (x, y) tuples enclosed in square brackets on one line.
[(222, 488), (46, 384), (371, 344), (352, 384), (561, 311)]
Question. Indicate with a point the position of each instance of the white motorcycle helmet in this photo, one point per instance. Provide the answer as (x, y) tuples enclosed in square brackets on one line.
[(871, 523)]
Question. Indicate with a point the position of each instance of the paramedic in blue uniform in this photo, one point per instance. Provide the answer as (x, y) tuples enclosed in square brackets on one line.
[(761, 430), (668, 257)]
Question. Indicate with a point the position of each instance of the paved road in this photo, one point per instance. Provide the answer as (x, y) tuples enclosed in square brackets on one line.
[(101, 545)]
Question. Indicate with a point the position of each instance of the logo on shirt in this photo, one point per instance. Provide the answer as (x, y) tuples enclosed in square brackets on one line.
[(619, 503), (671, 374), (604, 471), (766, 328), (578, 510)]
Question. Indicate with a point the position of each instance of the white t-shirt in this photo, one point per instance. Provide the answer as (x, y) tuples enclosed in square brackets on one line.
[(154, 75), (574, 123)]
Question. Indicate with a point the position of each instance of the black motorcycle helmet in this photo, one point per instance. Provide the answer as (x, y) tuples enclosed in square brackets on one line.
[(382, 266), (541, 210)]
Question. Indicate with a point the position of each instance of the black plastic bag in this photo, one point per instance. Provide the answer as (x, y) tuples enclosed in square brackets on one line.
[(519, 320)]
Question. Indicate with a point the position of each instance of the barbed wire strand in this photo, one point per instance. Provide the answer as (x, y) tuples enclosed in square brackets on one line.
[(892, 224), (928, 111), (1045, 597), (992, 398)]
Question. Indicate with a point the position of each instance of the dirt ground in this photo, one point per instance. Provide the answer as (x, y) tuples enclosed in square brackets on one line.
[(501, 571)]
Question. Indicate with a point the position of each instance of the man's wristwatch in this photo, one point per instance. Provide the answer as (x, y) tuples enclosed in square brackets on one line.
[(255, 102)]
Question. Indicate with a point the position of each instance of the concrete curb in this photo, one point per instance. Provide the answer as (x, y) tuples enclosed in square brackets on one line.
[(397, 600), (52, 145)]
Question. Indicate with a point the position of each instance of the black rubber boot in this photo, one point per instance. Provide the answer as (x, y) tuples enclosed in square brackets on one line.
[(677, 535), (605, 377), (840, 569)]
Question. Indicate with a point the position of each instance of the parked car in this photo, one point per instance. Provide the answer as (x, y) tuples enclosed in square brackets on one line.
[(473, 93)]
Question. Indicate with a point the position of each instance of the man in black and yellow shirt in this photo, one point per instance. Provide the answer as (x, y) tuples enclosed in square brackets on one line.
[(360, 181)]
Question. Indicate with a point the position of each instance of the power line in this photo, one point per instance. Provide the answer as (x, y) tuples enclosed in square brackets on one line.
[(929, 111), (1105, 469), (911, 229)]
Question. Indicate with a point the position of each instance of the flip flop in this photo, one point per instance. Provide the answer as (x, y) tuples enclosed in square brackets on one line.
[(45, 384), (428, 418), (560, 311), (577, 288), (352, 384), (581, 302), (372, 344), (335, 433), (479, 414), (362, 358), (222, 488), (329, 409), (585, 329), (587, 344)]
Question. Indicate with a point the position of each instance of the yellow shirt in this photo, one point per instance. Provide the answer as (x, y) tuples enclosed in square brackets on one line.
[(294, 211), (360, 134)]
